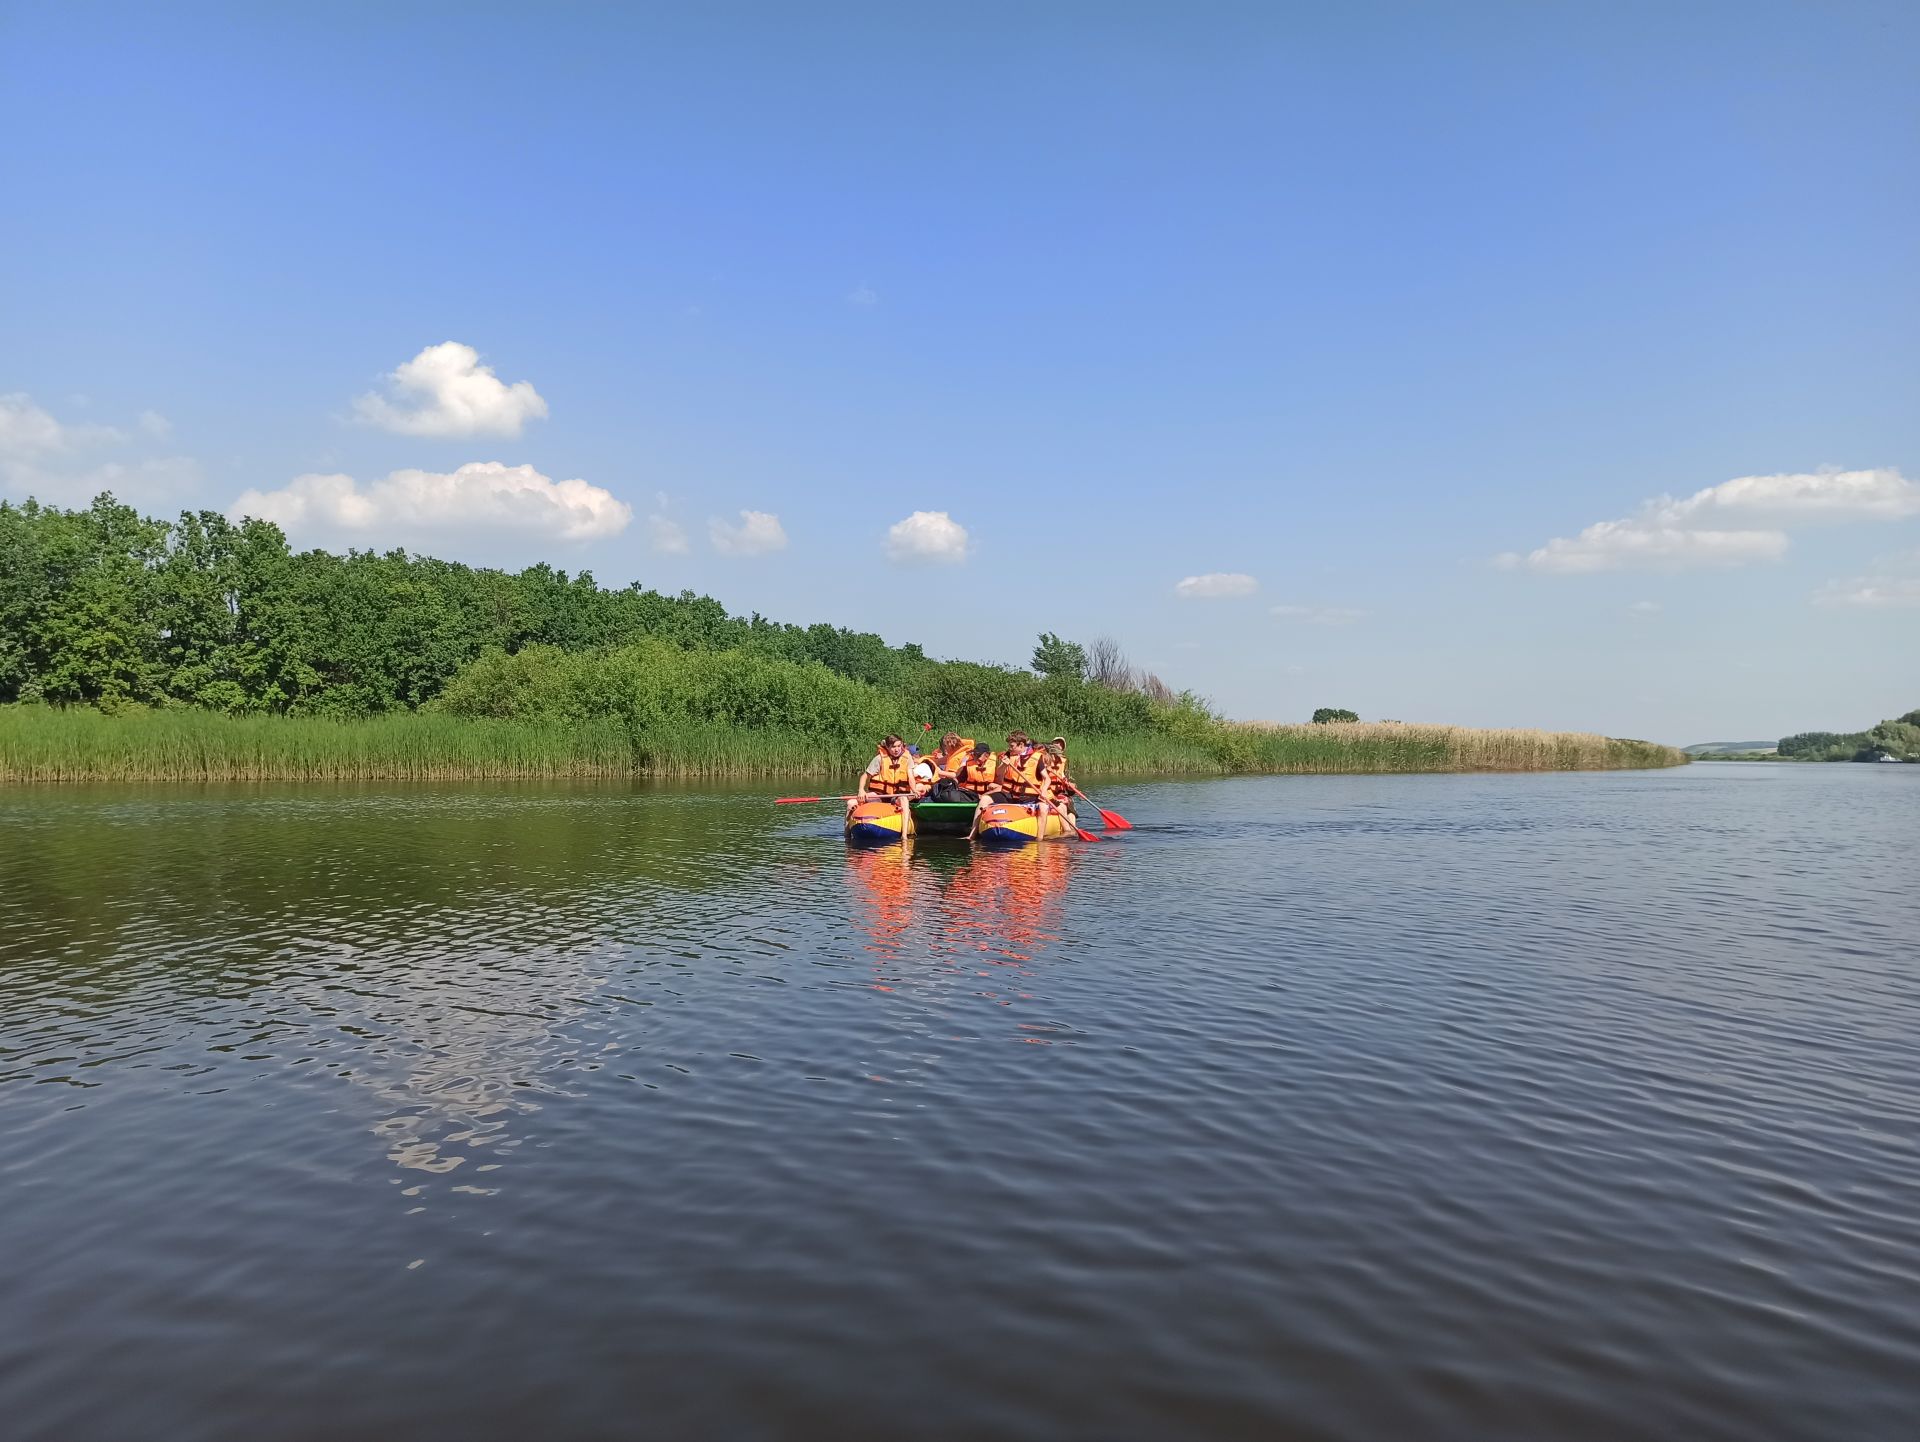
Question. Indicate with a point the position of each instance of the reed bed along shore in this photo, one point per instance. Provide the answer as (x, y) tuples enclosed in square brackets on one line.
[(1389, 746), (49, 744)]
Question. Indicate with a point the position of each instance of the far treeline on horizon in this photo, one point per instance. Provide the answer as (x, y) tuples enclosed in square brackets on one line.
[(145, 623)]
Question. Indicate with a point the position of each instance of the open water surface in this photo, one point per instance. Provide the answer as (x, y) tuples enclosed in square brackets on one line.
[(1568, 1106)]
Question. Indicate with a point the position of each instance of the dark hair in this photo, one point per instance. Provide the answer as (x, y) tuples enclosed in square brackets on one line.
[(1019, 738), (952, 738), (893, 741), (980, 748)]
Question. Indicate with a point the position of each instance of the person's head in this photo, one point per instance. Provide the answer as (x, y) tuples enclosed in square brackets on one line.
[(893, 746), (1019, 743), (981, 751), (1056, 751), (949, 741), (1059, 743)]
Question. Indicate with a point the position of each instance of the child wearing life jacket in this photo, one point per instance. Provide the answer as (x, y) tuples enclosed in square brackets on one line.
[(1057, 783), (949, 763), (889, 775)]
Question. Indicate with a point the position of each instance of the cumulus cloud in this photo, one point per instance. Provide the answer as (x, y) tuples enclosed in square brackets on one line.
[(931, 537), (152, 423), (445, 391), (1216, 586), (1894, 582), (757, 533), (1321, 615), (27, 429), (1882, 494), (480, 496), (1732, 524), (48, 459)]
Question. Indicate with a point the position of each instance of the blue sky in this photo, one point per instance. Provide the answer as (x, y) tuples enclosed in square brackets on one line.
[(1371, 304)]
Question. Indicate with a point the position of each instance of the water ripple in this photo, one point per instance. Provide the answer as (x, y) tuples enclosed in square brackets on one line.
[(1314, 1107)]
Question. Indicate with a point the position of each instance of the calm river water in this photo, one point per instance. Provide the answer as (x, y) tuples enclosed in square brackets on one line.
[(1578, 1106)]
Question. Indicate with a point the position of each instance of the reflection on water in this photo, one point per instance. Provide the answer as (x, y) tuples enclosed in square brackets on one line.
[(1330, 1107)]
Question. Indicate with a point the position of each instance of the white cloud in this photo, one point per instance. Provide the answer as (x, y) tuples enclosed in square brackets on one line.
[(44, 457), (864, 296), (1636, 545), (1321, 615), (152, 423), (1216, 586), (445, 391), (480, 496), (927, 536), (666, 536), (1882, 494), (27, 430), (1731, 524), (1895, 582), (758, 533), (1642, 610), (1870, 591)]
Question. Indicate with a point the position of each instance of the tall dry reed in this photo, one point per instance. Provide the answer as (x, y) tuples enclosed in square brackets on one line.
[(39, 743)]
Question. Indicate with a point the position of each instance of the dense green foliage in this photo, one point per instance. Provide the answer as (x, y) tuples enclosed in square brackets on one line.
[(228, 654), (106, 608), (1898, 738), (652, 687), (1822, 745), (1327, 715)]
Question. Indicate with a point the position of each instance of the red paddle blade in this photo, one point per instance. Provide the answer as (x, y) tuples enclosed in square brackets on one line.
[(1088, 835), (1114, 819)]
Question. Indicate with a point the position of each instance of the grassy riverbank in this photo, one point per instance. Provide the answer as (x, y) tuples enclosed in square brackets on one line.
[(40, 743)]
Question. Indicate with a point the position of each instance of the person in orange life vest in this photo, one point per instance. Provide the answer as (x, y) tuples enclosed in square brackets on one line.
[(948, 762), (1022, 779), (978, 771), (889, 774), (977, 780), (1057, 780)]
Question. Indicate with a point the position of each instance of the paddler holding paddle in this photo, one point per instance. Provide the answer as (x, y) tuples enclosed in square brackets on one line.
[(890, 775)]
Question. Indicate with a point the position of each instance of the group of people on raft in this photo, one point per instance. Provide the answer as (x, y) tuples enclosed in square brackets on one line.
[(964, 770)]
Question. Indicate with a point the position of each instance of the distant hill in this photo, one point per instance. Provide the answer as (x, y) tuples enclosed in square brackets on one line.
[(1714, 748)]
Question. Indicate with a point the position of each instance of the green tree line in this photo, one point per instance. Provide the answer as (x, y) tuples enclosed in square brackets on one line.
[(106, 608), (1898, 738)]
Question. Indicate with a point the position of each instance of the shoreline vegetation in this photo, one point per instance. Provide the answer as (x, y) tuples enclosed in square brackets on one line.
[(47, 744), (205, 649), (1895, 739)]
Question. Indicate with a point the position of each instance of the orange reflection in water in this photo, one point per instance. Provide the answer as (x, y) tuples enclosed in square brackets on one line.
[(964, 912), (882, 884), (1005, 906)]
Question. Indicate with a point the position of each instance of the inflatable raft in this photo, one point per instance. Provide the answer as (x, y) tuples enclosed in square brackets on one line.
[(1010, 825), (878, 823)]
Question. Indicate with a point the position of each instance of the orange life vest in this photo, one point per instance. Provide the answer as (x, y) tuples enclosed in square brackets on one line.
[(977, 776), (1021, 778), (954, 760), (894, 776)]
